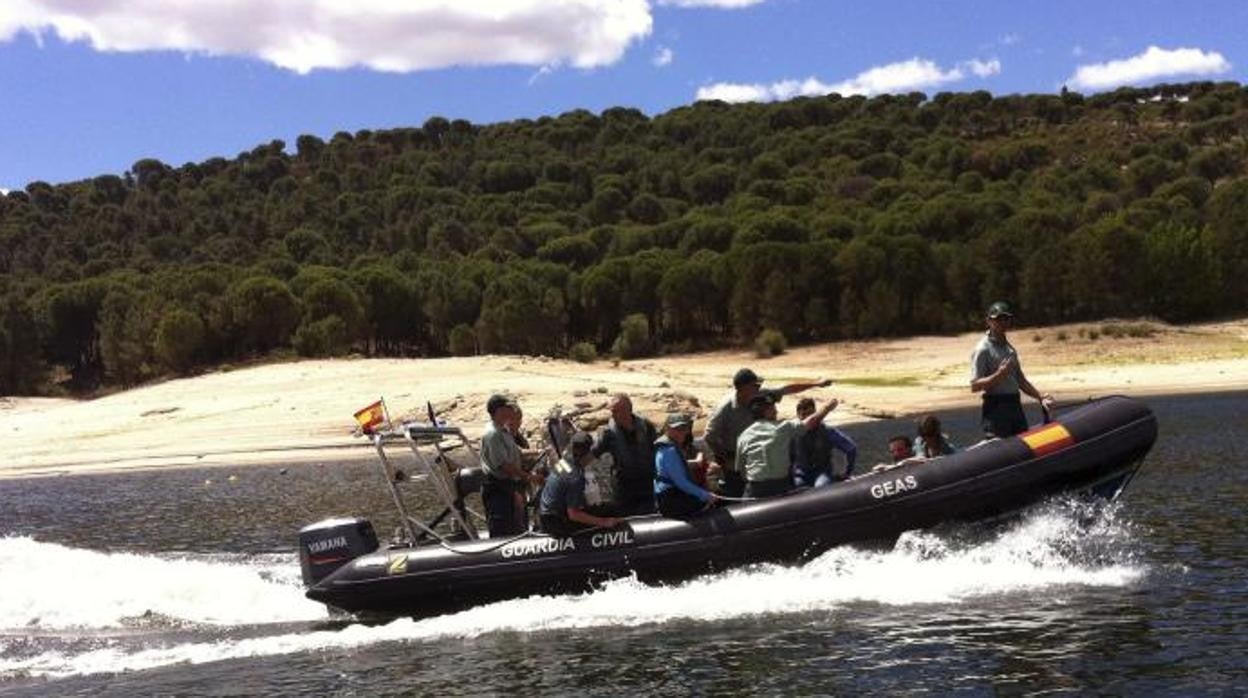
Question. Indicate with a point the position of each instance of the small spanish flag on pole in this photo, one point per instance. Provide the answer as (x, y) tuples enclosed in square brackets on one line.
[(371, 416)]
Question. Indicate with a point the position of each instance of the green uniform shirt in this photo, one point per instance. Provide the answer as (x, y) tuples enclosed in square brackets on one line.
[(726, 424), (763, 449), (497, 449), (988, 355)]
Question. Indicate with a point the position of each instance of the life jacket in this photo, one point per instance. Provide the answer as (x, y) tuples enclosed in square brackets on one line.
[(659, 446), (813, 448)]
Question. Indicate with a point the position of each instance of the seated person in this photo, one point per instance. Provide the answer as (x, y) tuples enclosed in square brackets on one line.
[(902, 453), (931, 441), (701, 470), (675, 492), (563, 505), (763, 448), (812, 451)]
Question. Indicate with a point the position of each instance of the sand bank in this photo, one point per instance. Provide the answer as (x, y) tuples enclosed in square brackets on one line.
[(302, 410)]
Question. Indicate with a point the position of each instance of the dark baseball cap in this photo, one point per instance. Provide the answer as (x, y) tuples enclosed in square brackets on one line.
[(745, 377), (1000, 309), (496, 401), (679, 419), (761, 402)]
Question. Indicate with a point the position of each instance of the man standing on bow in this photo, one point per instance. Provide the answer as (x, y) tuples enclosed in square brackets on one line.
[(997, 373)]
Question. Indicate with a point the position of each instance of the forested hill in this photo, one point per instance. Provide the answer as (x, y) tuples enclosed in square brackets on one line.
[(823, 218)]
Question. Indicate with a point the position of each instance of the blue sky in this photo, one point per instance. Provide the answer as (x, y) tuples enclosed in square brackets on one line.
[(88, 88)]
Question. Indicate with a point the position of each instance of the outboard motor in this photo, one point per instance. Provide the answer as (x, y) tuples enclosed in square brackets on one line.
[(327, 545)]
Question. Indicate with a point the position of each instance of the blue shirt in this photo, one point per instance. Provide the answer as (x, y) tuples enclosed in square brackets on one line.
[(671, 471)]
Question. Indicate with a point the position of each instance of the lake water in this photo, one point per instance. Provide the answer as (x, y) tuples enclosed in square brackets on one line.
[(186, 582)]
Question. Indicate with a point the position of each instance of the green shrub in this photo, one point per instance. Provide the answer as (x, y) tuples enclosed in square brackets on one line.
[(1061, 336), (634, 338), (1139, 330), (583, 353), (179, 340), (324, 337), (770, 343), (462, 341)]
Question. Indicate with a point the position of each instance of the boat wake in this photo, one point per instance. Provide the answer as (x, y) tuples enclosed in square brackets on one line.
[(85, 601), (50, 587)]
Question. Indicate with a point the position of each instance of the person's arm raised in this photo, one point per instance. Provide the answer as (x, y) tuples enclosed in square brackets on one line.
[(817, 416), (794, 388)]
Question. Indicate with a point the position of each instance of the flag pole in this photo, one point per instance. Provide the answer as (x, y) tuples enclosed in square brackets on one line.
[(386, 412)]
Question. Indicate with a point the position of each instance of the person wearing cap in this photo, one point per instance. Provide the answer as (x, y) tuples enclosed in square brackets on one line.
[(763, 448), (563, 508), (733, 416), (675, 492), (629, 438), (813, 452), (501, 461), (997, 373)]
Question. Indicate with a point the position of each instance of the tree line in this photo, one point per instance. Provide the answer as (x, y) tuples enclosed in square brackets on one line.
[(822, 218)]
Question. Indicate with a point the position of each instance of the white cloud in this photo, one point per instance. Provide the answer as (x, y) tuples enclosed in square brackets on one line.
[(1150, 65), (1076, 51), (736, 92), (663, 57), (1010, 39), (723, 4), (984, 69), (386, 35), (904, 76)]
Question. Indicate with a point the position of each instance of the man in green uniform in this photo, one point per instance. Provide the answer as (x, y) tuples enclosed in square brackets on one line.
[(998, 374), (763, 448), (733, 416), (502, 485)]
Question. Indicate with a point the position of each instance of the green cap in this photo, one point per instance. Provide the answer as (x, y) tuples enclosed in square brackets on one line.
[(1000, 309), (679, 419)]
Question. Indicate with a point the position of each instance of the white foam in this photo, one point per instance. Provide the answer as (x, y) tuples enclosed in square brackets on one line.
[(50, 586), (1042, 552)]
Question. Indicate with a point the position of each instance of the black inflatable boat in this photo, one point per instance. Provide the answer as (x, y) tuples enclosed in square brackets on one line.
[(1095, 448)]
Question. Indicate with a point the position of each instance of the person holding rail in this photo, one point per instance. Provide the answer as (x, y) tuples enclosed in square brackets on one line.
[(997, 373), (675, 492)]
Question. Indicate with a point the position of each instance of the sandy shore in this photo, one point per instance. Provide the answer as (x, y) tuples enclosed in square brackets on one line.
[(302, 410)]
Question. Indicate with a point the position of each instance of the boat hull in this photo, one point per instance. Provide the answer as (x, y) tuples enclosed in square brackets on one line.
[(1093, 449)]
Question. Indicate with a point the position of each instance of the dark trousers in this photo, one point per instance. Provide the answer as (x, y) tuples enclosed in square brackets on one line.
[(676, 504), (635, 498), (498, 496), (731, 484), (1003, 416), (757, 489)]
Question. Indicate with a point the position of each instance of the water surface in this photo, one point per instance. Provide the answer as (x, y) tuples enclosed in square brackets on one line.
[(185, 582)]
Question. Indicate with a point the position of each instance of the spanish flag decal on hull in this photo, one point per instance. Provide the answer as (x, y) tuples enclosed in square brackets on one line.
[(1047, 439)]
